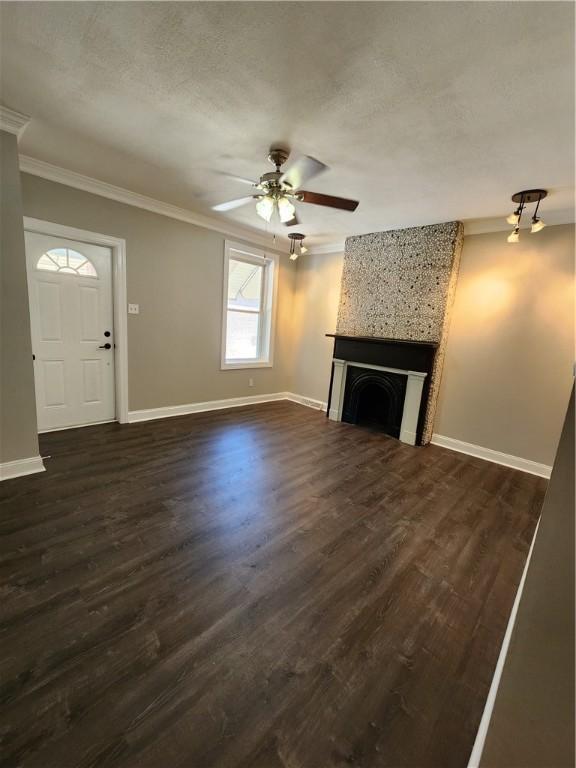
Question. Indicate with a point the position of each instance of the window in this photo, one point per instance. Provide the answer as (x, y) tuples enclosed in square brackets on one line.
[(248, 311), (67, 261)]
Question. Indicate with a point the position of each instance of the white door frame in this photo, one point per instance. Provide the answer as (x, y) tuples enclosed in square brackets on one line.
[(118, 249)]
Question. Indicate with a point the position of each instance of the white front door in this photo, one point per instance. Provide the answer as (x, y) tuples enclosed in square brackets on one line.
[(71, 312)]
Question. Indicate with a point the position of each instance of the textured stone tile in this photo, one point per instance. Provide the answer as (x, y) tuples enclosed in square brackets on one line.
[(400, 285)]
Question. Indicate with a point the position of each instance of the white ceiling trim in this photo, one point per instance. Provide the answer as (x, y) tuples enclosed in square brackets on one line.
[(328, 249), (12, 121), (119, 194)]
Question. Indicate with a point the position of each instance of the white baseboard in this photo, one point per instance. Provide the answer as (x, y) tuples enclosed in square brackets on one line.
[(149, 414), (506, 459), (478, 747), (318, 405), (20, 467)]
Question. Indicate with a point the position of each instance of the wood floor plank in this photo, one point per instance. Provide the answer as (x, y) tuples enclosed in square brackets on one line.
[(253, 588)]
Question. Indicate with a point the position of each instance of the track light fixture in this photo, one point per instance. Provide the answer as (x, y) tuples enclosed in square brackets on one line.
[(296, 247), (523, 199), (537, 223)]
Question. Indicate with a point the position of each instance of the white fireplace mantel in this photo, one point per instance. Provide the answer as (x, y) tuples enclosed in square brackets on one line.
[(412, 400)]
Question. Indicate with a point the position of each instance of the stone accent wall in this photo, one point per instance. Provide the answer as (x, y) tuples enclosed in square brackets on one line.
[(400, 285)]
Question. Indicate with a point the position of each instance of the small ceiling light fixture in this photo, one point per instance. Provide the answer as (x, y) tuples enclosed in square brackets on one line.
[(265, 208), (286, 210), (296, 247), (523, 199), (514, 218)]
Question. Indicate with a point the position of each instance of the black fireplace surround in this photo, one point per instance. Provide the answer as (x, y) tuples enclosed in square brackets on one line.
[(376, 398)]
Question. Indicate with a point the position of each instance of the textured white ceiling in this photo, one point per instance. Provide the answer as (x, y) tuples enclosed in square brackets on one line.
[(425, 112)]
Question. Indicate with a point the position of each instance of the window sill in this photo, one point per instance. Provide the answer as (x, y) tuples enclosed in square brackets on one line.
[(245, 364)]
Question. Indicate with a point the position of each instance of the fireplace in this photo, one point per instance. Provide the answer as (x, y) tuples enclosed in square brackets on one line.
[(374, 398), (399, 285), (381, 383)]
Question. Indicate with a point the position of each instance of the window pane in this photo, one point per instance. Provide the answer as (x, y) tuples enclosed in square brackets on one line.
[(75, 259), (67, 261), (45, 263), (87, 269), (242, 336), (244, 285)]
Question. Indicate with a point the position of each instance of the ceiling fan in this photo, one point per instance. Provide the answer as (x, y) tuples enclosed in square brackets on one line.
[(278, 190)]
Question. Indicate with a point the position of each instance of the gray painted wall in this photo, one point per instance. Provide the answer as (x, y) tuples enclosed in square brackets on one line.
[(510, 353), (18, 435), (174, 272), (532, 724), (508, 366)]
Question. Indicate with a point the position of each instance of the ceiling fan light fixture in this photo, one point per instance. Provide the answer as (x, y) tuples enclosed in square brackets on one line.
[(280, 189), (286, 210), (265, 208)]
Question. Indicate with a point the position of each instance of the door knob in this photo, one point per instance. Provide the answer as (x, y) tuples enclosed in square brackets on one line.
[(105, 346)]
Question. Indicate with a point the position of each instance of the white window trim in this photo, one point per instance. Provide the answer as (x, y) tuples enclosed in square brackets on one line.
[(270, 293)]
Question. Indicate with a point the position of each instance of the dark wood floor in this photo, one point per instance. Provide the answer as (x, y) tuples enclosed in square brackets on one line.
[(254, 587)]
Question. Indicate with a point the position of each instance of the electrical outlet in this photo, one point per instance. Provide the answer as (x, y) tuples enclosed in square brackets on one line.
[(250, 382), (133, 309)]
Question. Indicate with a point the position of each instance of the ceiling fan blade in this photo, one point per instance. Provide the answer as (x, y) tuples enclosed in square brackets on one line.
[(301, 171), (241, 179), (328, 200), (292, 222), (231, 204)]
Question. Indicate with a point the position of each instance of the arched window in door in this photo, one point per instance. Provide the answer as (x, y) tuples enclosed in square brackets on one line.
[(67, 261)]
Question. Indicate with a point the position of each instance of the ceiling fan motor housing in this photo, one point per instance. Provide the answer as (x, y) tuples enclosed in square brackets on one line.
[(278, 156)]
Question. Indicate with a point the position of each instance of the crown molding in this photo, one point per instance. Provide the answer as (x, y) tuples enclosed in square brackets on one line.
[(96, 187), (12, 121), (327, 249)]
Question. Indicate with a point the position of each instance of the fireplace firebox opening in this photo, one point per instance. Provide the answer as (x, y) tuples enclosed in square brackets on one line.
[(375, 399)]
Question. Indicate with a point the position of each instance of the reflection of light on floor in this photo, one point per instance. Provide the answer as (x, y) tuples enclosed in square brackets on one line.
[(237, 443), (232, 465)]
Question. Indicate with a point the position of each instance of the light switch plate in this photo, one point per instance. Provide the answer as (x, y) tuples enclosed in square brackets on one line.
[(133, 309)]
